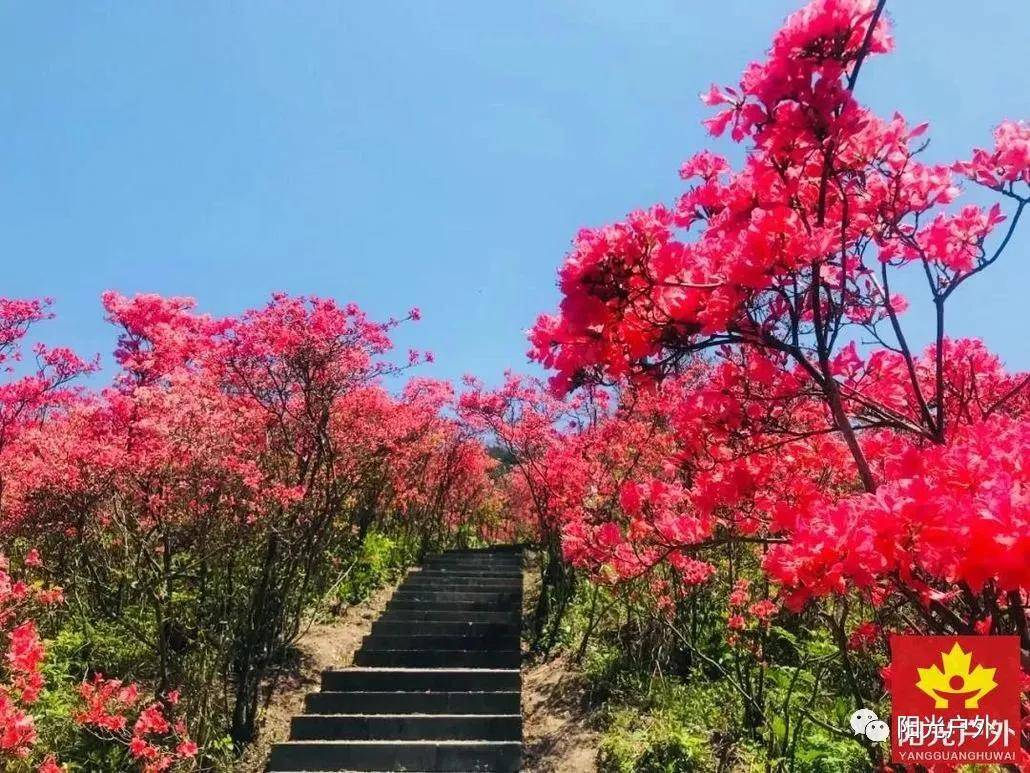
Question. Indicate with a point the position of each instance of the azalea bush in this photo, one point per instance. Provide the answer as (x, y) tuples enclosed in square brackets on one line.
[(21, 679), (198, 509), (770, 470)]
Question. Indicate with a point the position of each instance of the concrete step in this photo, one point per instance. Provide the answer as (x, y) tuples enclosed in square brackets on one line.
[(515, 578), (423, 588), (412, 702), (476, 556), (450, 586), (417, 641), (479, 554), (447, 567), (453, 628), (459, 568), (418, 614), (514, 581), (449, 756), (438, 658), (424, 605), (463, 583), (511, 598), (504, 572), (421, 679), (390, 727), (505, 561), (482, 596)]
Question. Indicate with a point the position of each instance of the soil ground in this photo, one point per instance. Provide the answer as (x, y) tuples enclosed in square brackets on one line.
[(557, 734)]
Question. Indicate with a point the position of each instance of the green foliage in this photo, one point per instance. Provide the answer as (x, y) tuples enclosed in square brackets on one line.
[(654, 745), (823, 753), (76, 644), (675, 691), (675, 750), (83, 645), (380, 559), (659, 724), (220, 754), (618, 753)]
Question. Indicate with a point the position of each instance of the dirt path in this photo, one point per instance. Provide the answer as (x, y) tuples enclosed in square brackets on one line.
[(324, 645), (557, 735)]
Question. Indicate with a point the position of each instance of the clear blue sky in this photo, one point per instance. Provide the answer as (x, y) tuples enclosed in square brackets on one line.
[(439, 154)]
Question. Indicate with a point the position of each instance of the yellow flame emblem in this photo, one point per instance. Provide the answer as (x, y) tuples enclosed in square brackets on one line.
[(956, 680)]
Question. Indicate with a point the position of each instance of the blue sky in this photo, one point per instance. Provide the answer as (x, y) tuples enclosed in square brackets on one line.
[(438, 154)]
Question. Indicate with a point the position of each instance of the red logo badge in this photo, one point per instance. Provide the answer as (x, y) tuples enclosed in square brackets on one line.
[(955, 699)]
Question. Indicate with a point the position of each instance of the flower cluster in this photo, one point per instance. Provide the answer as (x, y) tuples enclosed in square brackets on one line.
[(22, 653), (119, 712)]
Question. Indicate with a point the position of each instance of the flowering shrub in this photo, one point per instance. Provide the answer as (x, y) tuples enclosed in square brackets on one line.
[(153, 741), (202, 502), (767, 269), (868, 487), (22, 653), (115, 712)]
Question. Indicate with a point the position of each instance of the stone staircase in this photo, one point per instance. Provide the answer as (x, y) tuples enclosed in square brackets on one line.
[(434, 687)]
